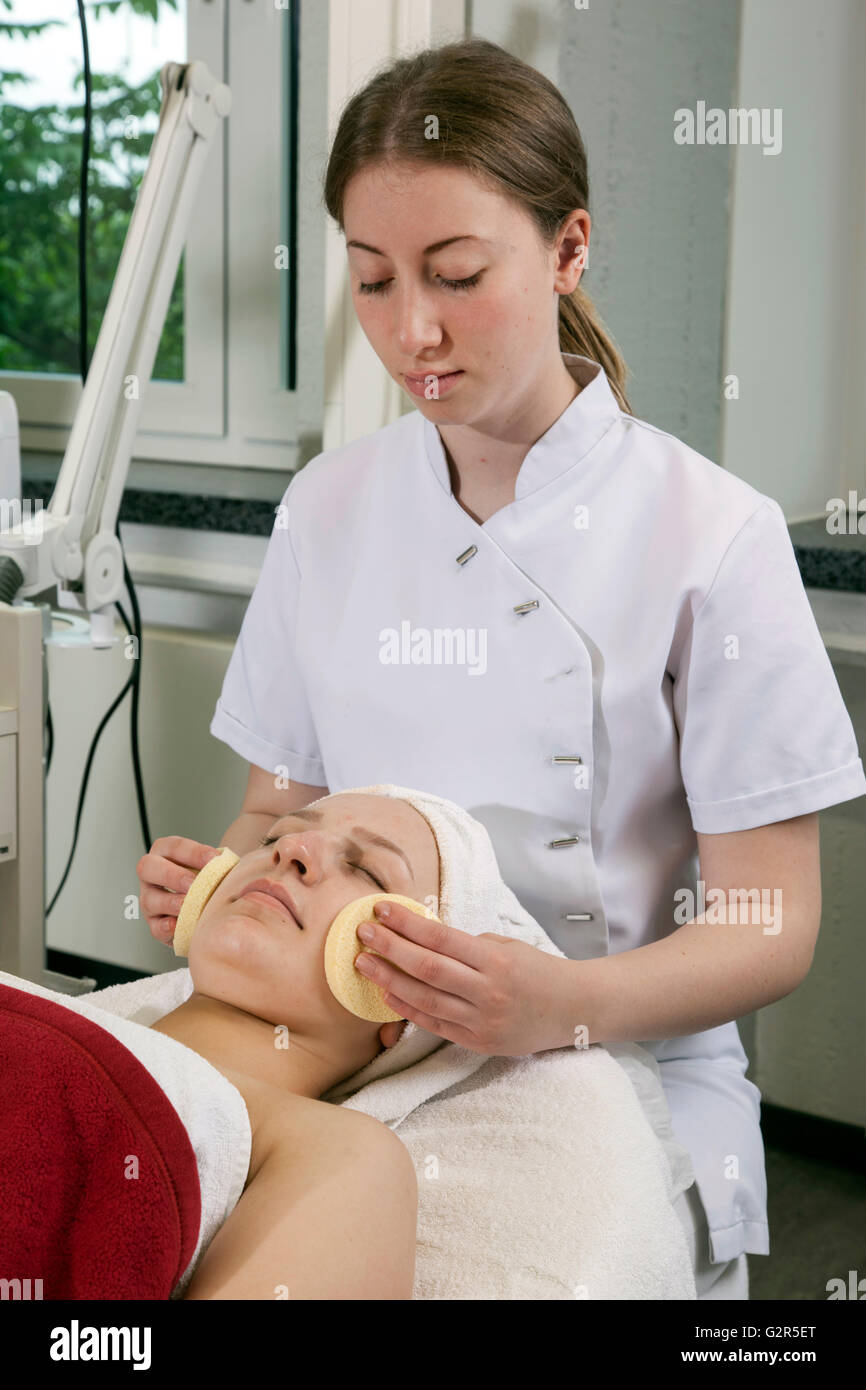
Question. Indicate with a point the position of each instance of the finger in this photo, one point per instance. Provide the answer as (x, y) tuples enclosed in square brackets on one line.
[(158, 902), (197, 854), (175, 849), (435, 971), (162, 928), (430, 932), (391, 1033), (183, 850), (452, 1032), (436, 1002), (162, 874)]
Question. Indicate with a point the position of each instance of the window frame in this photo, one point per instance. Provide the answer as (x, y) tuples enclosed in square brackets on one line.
[(47, 402), (232, 409), (361, 396)]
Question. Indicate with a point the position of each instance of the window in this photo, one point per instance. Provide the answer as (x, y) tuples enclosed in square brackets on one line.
[(42, 126), (227, 373)]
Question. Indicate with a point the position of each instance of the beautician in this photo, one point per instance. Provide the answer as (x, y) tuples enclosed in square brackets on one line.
[(653, 689)]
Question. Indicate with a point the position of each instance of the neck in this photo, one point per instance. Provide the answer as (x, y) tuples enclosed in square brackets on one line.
[(488, 455), (295, 1061)]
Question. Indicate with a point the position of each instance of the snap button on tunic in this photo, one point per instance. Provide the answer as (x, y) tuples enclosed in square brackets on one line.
[(569, 682)]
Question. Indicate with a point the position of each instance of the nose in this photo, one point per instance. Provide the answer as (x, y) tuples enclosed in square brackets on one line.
[(417, 325), (302, 852)]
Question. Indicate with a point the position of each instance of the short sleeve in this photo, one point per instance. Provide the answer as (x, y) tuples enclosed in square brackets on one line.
[(263, 712), (764, 731)]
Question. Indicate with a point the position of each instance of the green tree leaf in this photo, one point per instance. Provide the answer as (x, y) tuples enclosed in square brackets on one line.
[(40, 179)]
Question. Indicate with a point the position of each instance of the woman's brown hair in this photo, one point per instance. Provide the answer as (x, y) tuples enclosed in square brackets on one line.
[(503, 121)]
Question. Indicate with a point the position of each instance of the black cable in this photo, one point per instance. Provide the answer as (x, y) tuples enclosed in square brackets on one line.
[(123, 616), (49, 734), (86, 775), (136, 695), (87, 766), (292, 233), (83, 355), (134, 680)]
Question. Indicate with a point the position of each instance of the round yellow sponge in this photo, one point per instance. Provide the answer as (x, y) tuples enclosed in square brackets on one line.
[(360, 996), (193, 905)]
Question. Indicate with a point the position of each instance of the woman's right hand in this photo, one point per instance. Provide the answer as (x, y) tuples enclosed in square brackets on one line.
[(165, 874)]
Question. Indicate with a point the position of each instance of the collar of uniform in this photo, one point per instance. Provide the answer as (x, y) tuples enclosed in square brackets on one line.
[(569, 439)]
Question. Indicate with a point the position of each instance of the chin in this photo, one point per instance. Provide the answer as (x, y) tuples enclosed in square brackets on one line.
[(235, 944)]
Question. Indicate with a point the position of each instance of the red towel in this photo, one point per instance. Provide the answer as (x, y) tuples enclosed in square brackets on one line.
[(99, 1189)]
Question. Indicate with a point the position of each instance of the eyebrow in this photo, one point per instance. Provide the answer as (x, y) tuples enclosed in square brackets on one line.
[(308, 814), (429, 250)]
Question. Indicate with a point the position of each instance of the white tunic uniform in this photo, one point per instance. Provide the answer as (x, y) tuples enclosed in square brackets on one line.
[(622, 656)]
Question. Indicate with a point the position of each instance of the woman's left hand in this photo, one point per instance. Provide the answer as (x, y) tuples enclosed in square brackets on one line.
[(488, 993)]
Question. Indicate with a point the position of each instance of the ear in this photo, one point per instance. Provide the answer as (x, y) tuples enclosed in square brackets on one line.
[(573, 252), (390, 1033)]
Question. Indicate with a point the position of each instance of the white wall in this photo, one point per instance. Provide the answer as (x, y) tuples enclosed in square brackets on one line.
[(796, 296), (810, 1046), (658, 243), (194, 784)]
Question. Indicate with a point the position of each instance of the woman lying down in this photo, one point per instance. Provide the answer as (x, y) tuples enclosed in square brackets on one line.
[(259, 1140)]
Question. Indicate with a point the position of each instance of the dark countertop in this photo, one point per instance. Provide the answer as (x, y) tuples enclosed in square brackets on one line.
[(239, 515), (826, 561)]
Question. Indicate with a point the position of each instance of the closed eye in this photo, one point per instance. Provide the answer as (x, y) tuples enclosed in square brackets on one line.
[(271, 839), (377, 881), (380, 286)]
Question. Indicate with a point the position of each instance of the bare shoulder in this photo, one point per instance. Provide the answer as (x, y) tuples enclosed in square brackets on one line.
[(349, 1193), (334, 1133), (329, 1210), (300, 1128)]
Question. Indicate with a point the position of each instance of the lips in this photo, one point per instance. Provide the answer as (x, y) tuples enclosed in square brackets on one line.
[(419, 386), (421, 378), (274, 890)]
